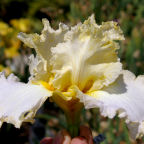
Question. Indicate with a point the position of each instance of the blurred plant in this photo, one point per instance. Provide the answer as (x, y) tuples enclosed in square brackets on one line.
[(6, 69), (24, 25), (8, 41), (12, 56)]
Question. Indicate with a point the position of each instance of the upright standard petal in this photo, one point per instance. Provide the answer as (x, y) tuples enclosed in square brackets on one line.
[(88, 56), (125, 97), (49, 38), (19, 102), (42, 44), (38, 69)]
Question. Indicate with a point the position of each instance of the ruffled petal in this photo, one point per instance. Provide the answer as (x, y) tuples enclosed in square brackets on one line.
[(87, 58), (42, 44), (19, 102), (125, 97), (38, 69), (49, 38)]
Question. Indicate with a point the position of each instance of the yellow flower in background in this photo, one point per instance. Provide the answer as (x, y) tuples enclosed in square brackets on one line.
[(9, 41), (75, 67), (4, 29), (22, 24), (12, 50), (8, 35)]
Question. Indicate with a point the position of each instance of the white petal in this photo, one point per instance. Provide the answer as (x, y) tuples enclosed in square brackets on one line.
[(88, 57), (125, 97), (19, 102)]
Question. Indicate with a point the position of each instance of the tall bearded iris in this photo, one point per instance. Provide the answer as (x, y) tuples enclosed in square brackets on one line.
[(75, 67)]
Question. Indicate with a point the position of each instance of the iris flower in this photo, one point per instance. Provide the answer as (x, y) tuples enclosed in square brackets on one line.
[(76, 67)]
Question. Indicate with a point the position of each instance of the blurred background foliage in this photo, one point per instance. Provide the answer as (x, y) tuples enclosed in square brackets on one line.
[(25, 16)]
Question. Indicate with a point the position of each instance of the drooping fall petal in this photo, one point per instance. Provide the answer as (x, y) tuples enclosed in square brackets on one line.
[(19, 102), (125, 97)]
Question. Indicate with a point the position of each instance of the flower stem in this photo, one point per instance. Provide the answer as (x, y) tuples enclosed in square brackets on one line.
[(73, 130), (72, 109), (73, 123)]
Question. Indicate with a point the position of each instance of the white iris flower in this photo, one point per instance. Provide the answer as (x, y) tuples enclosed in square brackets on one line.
[(76, 67)]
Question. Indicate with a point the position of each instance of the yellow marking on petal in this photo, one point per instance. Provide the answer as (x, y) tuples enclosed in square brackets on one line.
[(88, 85), (107, 43), (47, 85), (94, 94), (64, 97), (71, 92), (68, 104)]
